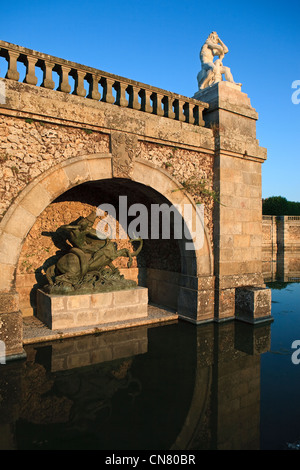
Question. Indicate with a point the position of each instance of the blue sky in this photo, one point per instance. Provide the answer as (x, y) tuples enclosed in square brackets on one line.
[(157, 42)]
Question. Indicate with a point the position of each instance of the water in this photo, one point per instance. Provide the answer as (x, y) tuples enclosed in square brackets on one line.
[(280, 377), (170, 387)]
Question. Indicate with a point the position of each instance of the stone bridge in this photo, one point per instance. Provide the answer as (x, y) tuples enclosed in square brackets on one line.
[(73, 137)]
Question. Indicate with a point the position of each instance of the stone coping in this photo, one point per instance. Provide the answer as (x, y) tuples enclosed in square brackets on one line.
[(35, 331)]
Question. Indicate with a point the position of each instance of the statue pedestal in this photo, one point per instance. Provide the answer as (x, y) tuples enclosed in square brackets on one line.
[(213, 90), (72, 311)]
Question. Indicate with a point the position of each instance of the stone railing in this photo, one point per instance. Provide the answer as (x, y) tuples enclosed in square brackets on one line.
[(101, 86)]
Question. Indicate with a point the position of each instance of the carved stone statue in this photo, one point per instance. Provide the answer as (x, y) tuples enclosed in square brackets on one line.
[(212, 72), (87, 265)]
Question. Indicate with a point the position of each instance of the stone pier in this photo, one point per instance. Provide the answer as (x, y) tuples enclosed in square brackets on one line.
[(237, 177)]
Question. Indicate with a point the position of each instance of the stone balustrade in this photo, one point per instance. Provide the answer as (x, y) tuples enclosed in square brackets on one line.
[(100, 86)]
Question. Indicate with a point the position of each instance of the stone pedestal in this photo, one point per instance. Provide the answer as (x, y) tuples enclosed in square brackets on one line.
[(252, 304), (72, 311)]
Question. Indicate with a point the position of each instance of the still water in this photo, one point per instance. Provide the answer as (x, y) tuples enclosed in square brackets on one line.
[(170, 387)]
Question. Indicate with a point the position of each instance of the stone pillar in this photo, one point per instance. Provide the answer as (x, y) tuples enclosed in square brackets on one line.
[(237, 179)]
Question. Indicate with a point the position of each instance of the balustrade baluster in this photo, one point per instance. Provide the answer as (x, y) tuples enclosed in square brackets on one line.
[(179, 110), (198, 121), (64, 84), (93, 81), (157, 100), (107, 84), (30, 77), (168, 104), (196, 115), (121, 94), (187, 111), (133, 97), (47, 68), (79, 83), (12, 72), (145, 96)]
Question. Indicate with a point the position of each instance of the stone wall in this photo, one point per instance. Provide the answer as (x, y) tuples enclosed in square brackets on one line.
[(28, 148), (269, 240), (288, 233)]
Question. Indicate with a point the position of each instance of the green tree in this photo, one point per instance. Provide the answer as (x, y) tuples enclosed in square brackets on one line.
[(275, 205), (278, 205)]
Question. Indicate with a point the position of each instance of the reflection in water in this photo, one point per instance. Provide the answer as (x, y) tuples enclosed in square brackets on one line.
[(285, 268), (171, 387), (280, 377)]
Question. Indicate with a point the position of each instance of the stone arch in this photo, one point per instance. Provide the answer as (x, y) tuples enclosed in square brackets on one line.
[(30, 203), (25, 209)]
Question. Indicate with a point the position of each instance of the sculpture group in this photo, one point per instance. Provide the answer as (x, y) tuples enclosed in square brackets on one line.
[(212, 72), (87, 266)]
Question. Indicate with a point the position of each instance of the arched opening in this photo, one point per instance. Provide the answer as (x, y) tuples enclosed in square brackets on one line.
[(159, 265), (166, 267)]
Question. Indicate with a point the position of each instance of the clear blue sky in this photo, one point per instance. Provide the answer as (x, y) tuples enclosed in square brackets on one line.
[(157, 42)]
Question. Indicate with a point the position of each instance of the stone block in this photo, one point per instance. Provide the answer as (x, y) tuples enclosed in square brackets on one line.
[(56, 183), (77, 172), (59, 321), (11, 333), (253, 304), (20, 223), (74, 302), (206, 304), (61, 312), (105, 300), (6, 276), (224, 304), (125, 297), (36, 200), (9, 302), (9, 248), (196, 306), (100, 168)]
